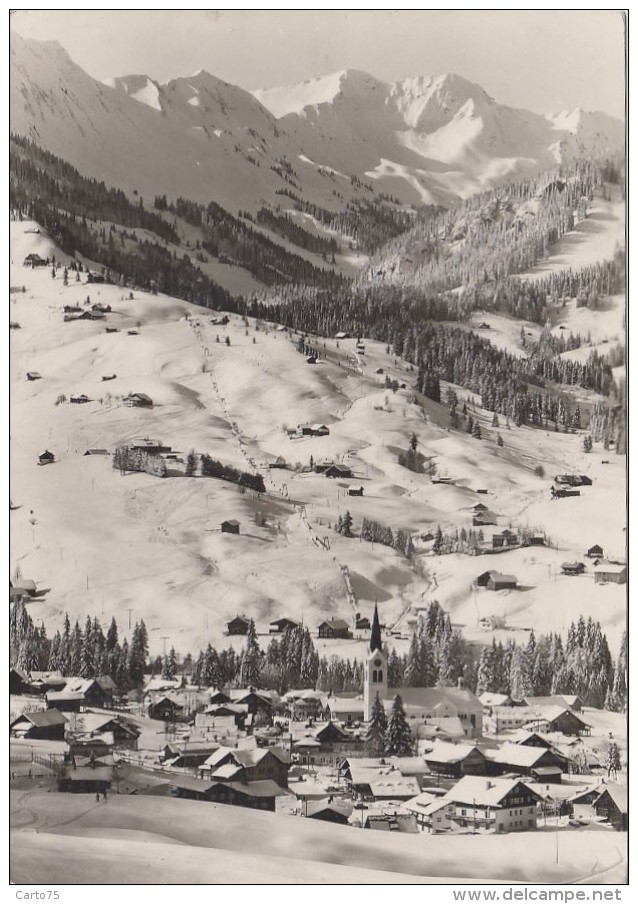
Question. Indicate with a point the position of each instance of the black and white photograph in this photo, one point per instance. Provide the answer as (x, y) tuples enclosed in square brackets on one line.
[(318, 449)]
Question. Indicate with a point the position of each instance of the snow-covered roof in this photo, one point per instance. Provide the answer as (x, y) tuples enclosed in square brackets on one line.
[(477, 790)]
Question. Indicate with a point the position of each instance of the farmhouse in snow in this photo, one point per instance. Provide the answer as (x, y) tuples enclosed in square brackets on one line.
[(137, 400)]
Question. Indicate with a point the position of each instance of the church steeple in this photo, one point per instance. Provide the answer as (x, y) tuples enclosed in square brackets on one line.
[(375, 680), (375, 633)]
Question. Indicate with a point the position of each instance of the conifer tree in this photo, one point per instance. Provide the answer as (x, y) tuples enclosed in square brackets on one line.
[(250, 665), (398, 739), (377, 729)]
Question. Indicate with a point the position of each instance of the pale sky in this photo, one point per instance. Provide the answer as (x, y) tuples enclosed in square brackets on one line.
[(540, 60)]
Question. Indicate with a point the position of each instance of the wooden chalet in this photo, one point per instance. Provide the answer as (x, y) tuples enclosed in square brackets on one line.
[(610, 573), (48, 725), (504, 540), (335, 628), (33, 375), (494, 580), (455, 760), (47, 458), (281, 625), (238, 625), (230, 527), (594, 552), (137, 400), (261, 795), (493, 805), (166, 709), (612, 806), (34, 260), (572, 568), (328, 809), (356, 490), (338, 471), (540, 763)]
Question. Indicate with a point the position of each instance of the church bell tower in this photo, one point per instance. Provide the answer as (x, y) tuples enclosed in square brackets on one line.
[(376, 670)]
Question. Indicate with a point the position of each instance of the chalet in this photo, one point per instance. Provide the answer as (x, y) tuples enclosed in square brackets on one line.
[(483, 518), (313, 430), (151, 446), (281, 625), (455, 760), (34, 260), (483, 492), (508, 718), (493, 805), (594, 552), (238, 625), (338, 471), (79, 399), (137, 400), (33, 375), (279, 463), (157, 684), (96, 452), (78, 693), (355, 490), (362, 623), (23, 587), (327, 809), (97, 278), (382, 783), (112, 329), (188, 754), (221, 321), (18, 681), (254, 700), (165, 708), (321, 466), (434, 706), (311, 359), (107, 377), (489, 701), (101, 308), (91, 778), (48, 725), (42, 682), (572, 568), (563, 493), (540, 763), (494, 580), (260, 795), (504, 540), (335, 628), (303, 705), (90, 315), (612, 806), (432, 813), (229, 764), (581, 804), (561, 719), (344, 709), (105, 730), (498, 581), (47, 458), (132, 333), (230, 527), (608, 572), (479, 507), (536, 540)]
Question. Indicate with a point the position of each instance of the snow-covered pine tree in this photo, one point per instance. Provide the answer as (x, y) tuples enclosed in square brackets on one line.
[(398, 738)]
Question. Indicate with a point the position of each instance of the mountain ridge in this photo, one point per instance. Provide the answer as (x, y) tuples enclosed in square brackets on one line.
[(424, 140)]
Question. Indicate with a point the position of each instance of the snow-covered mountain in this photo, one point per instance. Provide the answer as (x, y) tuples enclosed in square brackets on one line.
[(442, 137), (423, 140)]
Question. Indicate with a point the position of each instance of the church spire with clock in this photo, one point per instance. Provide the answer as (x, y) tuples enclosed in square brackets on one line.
[(375, 679)]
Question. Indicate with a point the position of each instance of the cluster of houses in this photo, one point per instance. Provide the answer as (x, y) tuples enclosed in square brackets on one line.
[(565, 485), (479, 764), (605, 570), (330, 628)]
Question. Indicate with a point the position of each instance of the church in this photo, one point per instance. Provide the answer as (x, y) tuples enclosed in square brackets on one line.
[(421, 704)]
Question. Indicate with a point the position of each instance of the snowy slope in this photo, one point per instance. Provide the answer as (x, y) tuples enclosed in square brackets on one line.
[(79, 518)]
